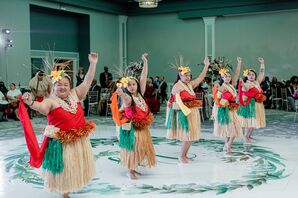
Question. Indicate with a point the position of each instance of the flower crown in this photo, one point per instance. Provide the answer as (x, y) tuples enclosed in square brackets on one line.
[(57, 75), (245, 72), (224, 71), (124, 81), (182, 69)]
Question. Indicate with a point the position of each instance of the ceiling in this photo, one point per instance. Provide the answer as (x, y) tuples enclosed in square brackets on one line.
[(186, 9)]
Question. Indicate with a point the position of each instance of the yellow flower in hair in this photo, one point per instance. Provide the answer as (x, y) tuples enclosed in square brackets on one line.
[(183, 70), (124, 81), (245, 72), (223, 71), (57, 75)]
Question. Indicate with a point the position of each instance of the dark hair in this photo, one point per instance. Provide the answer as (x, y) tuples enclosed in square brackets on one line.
[(177, 79), (139, 92), (251, 70)]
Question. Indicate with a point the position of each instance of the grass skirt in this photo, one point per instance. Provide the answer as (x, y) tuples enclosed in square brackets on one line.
[(181, 127), (79, 168), (230, 129), (143, 153), (253, 115)]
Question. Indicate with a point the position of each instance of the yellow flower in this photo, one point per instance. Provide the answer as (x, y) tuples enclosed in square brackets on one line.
[(245, 72), (223, 71), (183, 70), (56, 75), (124, 81)]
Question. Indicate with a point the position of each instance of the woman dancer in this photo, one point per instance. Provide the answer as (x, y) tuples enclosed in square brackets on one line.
[(226, 121), (66, 152), (252, 111), (136, 147), (183, 116)]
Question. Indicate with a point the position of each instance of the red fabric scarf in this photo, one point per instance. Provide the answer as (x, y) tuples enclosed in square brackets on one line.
[(36, 152)]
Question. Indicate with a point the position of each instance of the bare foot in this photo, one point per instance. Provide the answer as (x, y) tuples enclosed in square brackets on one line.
[(183, 160), (137, 173), (229, 149), (131, 175), (66, 195), (246, 140)]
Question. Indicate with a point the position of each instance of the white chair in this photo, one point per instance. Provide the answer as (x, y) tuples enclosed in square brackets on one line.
[(200, 96), (285, 102), (275, 99), (296, 110), (93, 101), (105, 96)]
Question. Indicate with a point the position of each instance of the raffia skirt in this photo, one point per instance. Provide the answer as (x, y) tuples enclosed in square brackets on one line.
[(255, 121), (187, 130), (143, 153), (79, 168), (232, 129)]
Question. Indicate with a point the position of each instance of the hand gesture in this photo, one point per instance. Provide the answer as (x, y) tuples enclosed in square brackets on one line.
[(27, 98), (261, 60), (239, 59), (144, 57), (119, 91), (206, 61), (93, 58)]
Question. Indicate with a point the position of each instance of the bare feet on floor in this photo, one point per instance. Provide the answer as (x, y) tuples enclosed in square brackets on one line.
[(183, 160), (132, 175)]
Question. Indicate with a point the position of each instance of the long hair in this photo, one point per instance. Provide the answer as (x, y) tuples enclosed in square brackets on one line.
[(245, 77), (138, 91)]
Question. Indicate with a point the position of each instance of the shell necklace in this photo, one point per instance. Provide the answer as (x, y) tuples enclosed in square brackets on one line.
[(69, 104), (140, 102)]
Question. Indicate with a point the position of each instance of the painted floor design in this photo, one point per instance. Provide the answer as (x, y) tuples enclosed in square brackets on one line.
[(267, 168)]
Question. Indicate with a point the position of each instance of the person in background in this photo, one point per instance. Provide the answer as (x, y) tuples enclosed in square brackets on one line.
[(105, 78), (162, 89), (80, 76), (40, 86), (3, 106), (13, 99)]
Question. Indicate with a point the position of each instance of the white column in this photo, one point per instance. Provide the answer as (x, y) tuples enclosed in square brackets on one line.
[(209, 36), (122, 41)]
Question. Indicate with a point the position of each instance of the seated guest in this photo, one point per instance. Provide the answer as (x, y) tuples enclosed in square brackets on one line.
[(3, 106), (12, 96), (151, 97)]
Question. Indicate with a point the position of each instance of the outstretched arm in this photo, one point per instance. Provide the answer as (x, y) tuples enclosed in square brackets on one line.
[(43, 107), (237, 72), (198, 80), (83, 88), (262, 70), (144, 73)]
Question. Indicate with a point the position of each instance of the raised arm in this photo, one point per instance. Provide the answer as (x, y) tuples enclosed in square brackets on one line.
[(262, 70), (198, 80), (83, 88), (43, 107), (237, 72), (144, 73), (126, 99)]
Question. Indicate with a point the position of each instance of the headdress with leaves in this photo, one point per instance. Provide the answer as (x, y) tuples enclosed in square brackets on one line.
[(219, 65), (181, 66), (132, 71)]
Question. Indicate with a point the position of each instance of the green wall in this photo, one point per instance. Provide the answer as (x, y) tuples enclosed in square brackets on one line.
[(164, 37), (15, 14), (273, 36)]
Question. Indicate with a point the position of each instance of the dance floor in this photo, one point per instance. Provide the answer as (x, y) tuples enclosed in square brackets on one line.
[(266, 168)]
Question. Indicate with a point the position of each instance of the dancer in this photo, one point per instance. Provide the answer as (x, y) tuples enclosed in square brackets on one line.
[(226, 120), (66, 153), (183, 116), (252, 111), (136, 147)]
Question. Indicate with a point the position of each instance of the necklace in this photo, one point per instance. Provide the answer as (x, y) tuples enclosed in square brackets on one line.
[(187, 87), (69, 104), (140, 102), (231, 89)]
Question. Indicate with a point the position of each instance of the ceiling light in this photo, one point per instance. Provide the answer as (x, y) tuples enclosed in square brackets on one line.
[(6, 31), (148, 3)]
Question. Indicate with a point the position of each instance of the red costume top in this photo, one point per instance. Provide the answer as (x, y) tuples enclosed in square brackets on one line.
[(72, 126), (139, 117), (253, 92)]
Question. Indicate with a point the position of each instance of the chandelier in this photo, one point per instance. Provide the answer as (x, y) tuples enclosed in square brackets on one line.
[(148, 3)]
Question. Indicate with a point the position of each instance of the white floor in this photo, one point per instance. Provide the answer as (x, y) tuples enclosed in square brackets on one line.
[(267, 168)]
